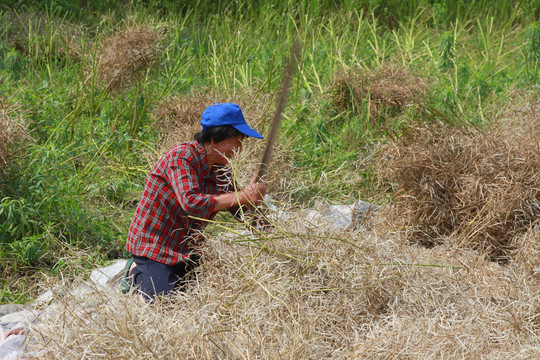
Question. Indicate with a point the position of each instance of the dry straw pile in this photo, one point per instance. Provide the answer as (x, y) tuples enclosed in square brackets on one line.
[(388, 88), (304, 292), (115, 61), (477, 188), (179, 119), (12, 130), (127, 54)]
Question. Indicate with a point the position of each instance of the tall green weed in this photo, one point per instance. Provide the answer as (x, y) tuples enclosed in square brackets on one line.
[(532, 51)]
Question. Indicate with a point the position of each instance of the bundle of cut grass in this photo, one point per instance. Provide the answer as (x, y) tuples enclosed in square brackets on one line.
[(179, 119), (389, 88), (128, 53), (479, 188), (12, 130)]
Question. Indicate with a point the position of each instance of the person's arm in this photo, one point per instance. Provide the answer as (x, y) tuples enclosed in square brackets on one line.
[(194, 203), (249, 196), (187, 186), (252, 215)]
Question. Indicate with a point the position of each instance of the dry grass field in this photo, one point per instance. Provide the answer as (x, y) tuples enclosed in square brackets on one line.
[(305, 291)]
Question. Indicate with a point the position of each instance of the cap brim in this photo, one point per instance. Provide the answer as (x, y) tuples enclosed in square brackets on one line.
[(247, 130)]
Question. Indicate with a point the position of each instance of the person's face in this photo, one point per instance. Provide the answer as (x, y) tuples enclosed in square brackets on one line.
[(227, 148)]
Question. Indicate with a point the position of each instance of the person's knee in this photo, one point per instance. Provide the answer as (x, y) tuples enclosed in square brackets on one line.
[(152, 279)]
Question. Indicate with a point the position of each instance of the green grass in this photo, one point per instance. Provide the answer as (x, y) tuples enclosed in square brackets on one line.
[(79, 180)]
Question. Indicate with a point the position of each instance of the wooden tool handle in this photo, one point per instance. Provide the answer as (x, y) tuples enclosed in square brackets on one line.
[(271, 137)]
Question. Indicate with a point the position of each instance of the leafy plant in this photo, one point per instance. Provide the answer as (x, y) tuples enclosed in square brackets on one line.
[(532, 50), (447, 51)]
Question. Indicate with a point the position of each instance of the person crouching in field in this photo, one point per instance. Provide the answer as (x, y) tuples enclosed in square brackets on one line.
[(187, 186)]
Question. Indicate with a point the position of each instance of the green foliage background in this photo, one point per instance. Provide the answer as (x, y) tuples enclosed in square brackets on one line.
[(78, 181)]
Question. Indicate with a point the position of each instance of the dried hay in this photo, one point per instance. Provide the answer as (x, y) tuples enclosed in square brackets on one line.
[(308, 293), (527, 250), (128, 53), (179, 119), (480, 188), (12, 130), (388, 88)]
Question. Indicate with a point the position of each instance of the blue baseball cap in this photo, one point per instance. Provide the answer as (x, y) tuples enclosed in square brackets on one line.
[(227, 114)]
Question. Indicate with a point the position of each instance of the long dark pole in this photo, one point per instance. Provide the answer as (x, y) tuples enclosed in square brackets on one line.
[(271, 137)]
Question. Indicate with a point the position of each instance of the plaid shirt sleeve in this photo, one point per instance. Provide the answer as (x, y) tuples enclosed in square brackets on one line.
[(186, 184)]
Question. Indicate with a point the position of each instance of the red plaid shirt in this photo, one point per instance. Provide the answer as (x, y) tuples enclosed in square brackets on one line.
[(180, 187)]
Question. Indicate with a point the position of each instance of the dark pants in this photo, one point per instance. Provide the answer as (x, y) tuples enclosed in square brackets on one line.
[(153, 278)]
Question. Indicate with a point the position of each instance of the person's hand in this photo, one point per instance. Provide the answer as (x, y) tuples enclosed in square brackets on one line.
[(254, 192), (250, 196)]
